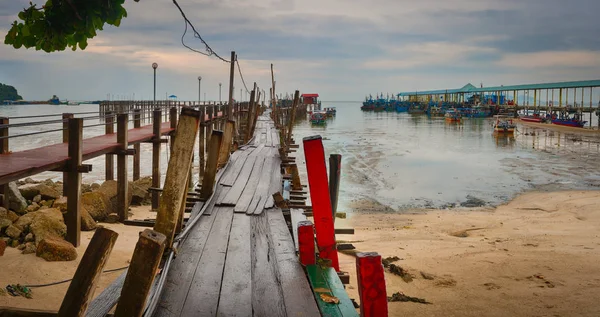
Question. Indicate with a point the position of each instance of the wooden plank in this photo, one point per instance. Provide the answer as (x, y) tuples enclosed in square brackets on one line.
[(236, 290), (240, 183), (297, 294), (156, 117), (371, 285), (335, 166), (73, 215), (246, 196), (269, 140), (262, 190), (122, 160), (206, 284), (22, 312), (82, 287), (196, 209), (140, 277), (109, 297), (296, 215), (234, 170), (323, 281), (275, 138), (267, 296)]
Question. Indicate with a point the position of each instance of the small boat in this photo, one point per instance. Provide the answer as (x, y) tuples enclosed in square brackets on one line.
[(503, 125), (536, 117), (318, 117), (435, 111), (452, 115), (331, 112), (565, 120)]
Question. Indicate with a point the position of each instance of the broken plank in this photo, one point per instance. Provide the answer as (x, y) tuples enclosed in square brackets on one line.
[(234, 170), (236, 190), (109, 297), (296, 215), (250, 188), (236, 290)]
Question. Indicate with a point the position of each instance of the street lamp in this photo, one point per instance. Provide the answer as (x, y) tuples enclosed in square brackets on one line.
[(154, 66), (220, 92), (199, 87)]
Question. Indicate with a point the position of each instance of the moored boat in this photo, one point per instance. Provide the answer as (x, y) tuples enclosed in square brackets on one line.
[(318, 117), (331, 112), (535, 117), (503, 125), (565, 120), (452, 115)]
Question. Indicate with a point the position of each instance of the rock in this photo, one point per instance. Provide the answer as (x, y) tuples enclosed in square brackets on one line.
[(29, 191), (29, 237), (49, 223), (30, 180), (29, 248), (95, 186), (96, 205), (47, 191), (16, 201), (8, 214), (37, 198), (13, 232), (473, 202), (139, 191), (86, 188), (87, 222), (44, 207), (112, 218), (14, 243), (55, 249), (33, 207), (109, 191), (4, 223), (21, 247), (60, 204), (47, 203), (25, 221), (2, 247)]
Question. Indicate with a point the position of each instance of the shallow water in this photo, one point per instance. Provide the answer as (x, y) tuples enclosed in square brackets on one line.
[(406, 161)]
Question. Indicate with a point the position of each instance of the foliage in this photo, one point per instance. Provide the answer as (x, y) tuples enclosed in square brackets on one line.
[(59, 24), (8, 93)]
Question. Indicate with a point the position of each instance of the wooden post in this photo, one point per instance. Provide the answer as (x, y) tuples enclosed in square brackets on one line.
[(140, 276), (173, 122), (156, 114), (231, 76), (109, 158), (335, 166), (211, 122), (319, 194), (306, 242), (226, 143), (292, 117), (371, 285), (211, 164), (73, 215), (201, 142), (296, 185), (65, 137), (122, 182), (3, 134), (136, 157), (250, 116), (82, 287), (177, 174)]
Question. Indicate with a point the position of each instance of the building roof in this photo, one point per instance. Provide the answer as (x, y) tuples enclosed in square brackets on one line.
[(472, 89), (310, 95)]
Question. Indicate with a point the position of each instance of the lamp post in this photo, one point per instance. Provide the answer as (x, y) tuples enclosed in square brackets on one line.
[(220, 92), (199, 87), (154, 66)]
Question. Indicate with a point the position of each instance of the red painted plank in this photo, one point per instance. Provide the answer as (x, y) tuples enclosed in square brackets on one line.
[(371, 285), (306, 242), (319, 195)]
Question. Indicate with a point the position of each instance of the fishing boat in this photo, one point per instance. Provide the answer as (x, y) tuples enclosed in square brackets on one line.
[(402, 106), (452, 115), (331, 112), (503, 125), (318, 117), (416, 109), (535, 117), (435, 111), (565, 120)]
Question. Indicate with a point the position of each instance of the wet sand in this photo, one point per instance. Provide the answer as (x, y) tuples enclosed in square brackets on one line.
[(535, 256)]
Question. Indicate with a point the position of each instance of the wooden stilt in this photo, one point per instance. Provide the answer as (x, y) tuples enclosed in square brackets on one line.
[(226, 144), (136, 157), (371, 285), (65, 137), (306, 242), (292, 118), (335, 166), (73, 215), (208, 181), (122, 182), (109, 158), (201, 142), (156, 114)]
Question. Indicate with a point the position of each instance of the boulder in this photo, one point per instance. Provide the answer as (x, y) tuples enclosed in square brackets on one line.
[(25, 221), (49, 223), (33, 207), (16, 201), (21, 247), (8, 214), (87, 222), (29, 248), (30, 180), (13, 232), (37, 198), (112, 218), (47, 203), (55, 249), (95, 186), (109, 191), (14, 243), (47, 191), (29, 237), (29, 191), (139, 191), (4, 223), (86, 188), (60, 204), (95, 204)]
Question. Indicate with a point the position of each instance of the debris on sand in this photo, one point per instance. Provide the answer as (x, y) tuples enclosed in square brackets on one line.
[(400, 297), (404, 274), (389, 260), (445, 282), (464, 233), (427, 276)]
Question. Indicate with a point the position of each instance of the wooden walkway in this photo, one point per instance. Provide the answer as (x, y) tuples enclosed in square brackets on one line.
[(17, 165), (239, 258)]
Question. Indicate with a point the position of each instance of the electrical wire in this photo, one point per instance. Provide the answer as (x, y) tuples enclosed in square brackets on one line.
[(241, 76), (68, 280)]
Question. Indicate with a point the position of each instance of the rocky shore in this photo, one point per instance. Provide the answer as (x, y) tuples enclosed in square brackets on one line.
[(34, 222)]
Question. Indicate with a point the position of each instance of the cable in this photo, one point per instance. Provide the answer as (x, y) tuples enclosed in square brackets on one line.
[(240, 70), (197, 35), (183, 43), (64, 281)]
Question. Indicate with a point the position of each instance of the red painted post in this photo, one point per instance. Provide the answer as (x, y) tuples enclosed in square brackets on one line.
[(371, 285), (306, 242), (319, 195)]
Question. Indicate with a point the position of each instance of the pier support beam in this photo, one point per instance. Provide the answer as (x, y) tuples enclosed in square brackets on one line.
[(109, 158), (201, 142), (306, 242), (156, 114), (65, 137), (136, 156), (3, 150), (371, 285), (214, 147), (73, 215), (335, 166), (122, 182)]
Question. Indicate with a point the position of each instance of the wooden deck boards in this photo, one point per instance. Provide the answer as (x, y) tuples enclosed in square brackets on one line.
[(241, 264)]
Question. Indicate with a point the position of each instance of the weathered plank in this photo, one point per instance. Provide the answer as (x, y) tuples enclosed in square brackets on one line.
[(208, 181), (203, 292), (238, 187), (296, 215), (250, 188), (233, 172), (267, 296), (236, 290), (275, 139), (73, 181), (326, 281), (269, 140), (262, 190), (109, 297)]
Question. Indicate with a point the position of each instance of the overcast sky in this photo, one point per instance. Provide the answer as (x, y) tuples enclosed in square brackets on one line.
[(341, 49)]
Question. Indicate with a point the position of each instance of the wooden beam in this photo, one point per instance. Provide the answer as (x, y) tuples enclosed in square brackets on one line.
[(208, 181), (371, 285), (65, 139), (174, 187), (73, 215), (109, 128), (250, 117), (231, 76), (201, 143), (335, 166), (226, 143), (142, 271), (156, 114), (122, 182), (292, 118), (306, 242), (82, 287), (136, 147)]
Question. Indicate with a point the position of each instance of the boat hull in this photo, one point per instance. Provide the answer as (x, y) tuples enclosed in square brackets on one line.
[(569, 123), (532, 119)]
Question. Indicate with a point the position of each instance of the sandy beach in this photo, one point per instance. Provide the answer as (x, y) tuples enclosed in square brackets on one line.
[(535, 256)]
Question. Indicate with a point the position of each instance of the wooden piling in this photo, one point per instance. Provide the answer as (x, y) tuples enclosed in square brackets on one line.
[(306, 242), (177, 174), (109, 128), (208, 181), (136, 157), (156, 114), (231, 76), (82, 287), (292, 118), (335, 166), (173, 123), (65, 139), (75, 147), (296, 185), (371, 285), (226, 143), (140, 276), (122, 182), (250, 117), (201, 142)]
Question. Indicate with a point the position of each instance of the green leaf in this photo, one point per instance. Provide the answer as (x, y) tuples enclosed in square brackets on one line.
[(25, 30)]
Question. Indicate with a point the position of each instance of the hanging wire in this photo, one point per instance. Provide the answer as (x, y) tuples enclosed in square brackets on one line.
[(240, 70)]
